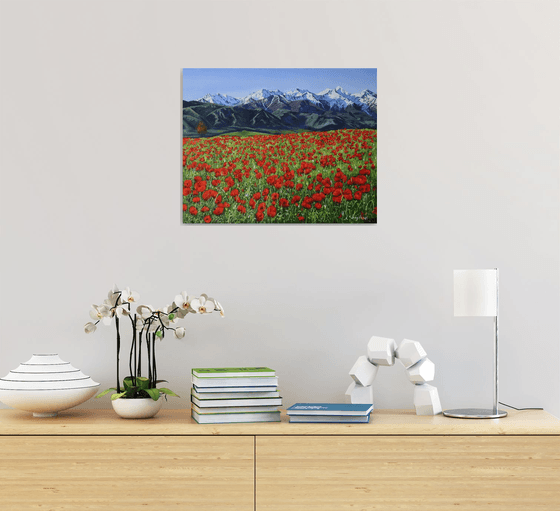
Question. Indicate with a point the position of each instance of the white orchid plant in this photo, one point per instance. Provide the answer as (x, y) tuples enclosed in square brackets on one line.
[(150, 324)]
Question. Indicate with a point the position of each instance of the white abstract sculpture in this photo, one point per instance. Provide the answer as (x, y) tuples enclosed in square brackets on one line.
[(422, 372), (426, 400), (359, 395), (363, 371), (410, 352), (382, 351)]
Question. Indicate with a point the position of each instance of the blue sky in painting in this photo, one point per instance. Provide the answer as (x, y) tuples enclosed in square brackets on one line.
[(240, 82)]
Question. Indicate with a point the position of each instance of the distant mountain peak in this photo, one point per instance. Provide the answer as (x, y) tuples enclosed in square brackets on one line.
[(270, 100), (219, 99)]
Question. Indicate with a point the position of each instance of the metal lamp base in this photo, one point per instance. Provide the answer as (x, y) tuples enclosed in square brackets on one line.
[(475, 413)]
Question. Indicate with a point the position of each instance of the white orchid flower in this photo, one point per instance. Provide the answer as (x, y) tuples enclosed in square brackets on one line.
[(211, 303), (118, 311), (128, 296), (114, 296), (90, 328), (101, 313), (145, 311), (181, 313), (179, 332), (165, 316), (203, 305), (221, 309), (98, 312), (183, 301)]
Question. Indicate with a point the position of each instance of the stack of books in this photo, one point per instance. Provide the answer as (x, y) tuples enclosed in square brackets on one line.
[(327, 412), (235, 394)]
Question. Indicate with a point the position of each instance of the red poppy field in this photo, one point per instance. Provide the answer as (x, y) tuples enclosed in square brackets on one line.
[(310, 177)]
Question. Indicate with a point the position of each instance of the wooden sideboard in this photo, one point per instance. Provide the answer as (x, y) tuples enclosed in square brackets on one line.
[(93, 460)]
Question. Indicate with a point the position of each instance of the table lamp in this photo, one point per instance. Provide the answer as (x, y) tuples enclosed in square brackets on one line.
[(476, 294)]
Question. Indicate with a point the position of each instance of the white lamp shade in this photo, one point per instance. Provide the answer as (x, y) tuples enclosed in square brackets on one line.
[(476, 292)]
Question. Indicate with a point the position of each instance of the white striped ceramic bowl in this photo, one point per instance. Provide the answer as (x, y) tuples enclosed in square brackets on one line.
[(46, 385)]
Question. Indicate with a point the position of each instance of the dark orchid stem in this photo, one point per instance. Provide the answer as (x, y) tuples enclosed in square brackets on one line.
[(139, 367), (154, 370), (132, 352), (118, 353), (149, 358), (135, 366)]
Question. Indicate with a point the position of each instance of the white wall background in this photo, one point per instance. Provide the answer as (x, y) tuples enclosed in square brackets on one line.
[(468, 178)]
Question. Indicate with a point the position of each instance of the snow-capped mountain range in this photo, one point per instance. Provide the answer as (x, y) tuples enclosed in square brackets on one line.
[(329, 99)]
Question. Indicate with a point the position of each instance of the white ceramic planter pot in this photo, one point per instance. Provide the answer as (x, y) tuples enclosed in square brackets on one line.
[(143, 408), (46, 385)]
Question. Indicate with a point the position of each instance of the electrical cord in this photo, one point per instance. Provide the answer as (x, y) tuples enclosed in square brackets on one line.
[(509, 406)]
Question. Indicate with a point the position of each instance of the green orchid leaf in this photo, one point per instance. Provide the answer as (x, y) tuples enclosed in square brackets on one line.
[(127, 382), (105, 392), (154, 393), (168, 391), (142, 383), (116, 396), (161, 381)]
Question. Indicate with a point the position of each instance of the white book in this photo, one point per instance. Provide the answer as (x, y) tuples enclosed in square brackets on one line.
[(233, 390), (345, 409), (232, 395), (234, 409), (251, 381), (206, 403), (224, 418)]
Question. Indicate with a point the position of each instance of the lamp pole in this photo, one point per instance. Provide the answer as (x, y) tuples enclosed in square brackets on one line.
[(496, 327)]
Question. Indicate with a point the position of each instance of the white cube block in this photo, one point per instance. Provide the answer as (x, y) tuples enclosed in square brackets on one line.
[(422, 372), (409, 352), (359, 395), (426, 400), (381, 351), (363, 371)]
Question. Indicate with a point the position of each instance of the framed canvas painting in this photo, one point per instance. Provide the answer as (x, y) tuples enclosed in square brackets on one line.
[(291, 146)]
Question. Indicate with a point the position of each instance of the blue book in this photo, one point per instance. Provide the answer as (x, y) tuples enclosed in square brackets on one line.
[(329, 409), (326, 419)]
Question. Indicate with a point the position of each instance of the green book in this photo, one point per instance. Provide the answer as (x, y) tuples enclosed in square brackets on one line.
[(233, 372)]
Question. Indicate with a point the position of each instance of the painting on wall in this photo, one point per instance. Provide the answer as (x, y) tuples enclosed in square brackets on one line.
[(289, 146)]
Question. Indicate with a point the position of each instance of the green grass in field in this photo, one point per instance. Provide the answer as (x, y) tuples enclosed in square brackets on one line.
[(237, 166)]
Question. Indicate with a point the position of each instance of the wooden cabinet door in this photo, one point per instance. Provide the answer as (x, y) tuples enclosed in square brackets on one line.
[(428, 473), (126, 473)]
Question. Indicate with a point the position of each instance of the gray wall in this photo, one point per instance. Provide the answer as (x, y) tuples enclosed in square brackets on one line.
[(468, 178)]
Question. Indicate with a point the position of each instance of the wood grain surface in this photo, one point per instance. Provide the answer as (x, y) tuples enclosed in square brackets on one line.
[(408, 473), (178, 422), (65, 473)]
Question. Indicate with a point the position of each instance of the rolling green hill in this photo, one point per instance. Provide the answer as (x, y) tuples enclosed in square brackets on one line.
[(294, 116)]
